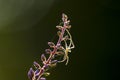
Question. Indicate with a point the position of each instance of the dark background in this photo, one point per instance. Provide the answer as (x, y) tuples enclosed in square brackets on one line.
[(27, 25)]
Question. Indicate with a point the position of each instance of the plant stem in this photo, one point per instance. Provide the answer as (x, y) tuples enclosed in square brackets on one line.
[(53, 52)]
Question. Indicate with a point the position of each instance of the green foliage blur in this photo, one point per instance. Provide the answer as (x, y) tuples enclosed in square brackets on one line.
[(27, 25)]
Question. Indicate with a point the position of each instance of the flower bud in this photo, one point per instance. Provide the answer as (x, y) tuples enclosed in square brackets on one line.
[(48, 51), (43, 58), (36, 65), (67, 23), (51, 44), (59, 27), (64, 17), (30, 74)]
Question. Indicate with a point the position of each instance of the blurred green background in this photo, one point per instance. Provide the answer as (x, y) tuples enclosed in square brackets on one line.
[(27, 25)]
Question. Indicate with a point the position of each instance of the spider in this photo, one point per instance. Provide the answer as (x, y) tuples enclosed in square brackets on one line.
[(67, 48)]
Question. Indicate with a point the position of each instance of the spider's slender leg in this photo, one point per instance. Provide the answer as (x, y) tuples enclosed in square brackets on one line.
[(64, 58), (71, 42), (65, 44), (67, 58), (66, 52)]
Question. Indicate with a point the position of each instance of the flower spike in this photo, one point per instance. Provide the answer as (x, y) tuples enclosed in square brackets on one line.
[(62, 49)]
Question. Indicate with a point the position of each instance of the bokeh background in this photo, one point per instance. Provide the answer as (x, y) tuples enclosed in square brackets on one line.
[(27, 25)]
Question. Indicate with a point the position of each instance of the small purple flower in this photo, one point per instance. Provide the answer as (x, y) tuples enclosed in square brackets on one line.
[(36, 65), (43, 58), (30, 74)]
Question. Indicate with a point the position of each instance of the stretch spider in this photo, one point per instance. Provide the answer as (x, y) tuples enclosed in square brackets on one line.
[(67, 48)]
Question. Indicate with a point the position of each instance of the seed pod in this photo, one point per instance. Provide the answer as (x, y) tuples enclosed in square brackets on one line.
[(30, 74), (43, 58), (48, 51), (36, 65), (51, 44)]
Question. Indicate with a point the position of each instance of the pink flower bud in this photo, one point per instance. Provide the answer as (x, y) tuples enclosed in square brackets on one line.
[(48, 51), (59, 27), (43, 58), (51, 44), (36, 65), (30, 74)]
